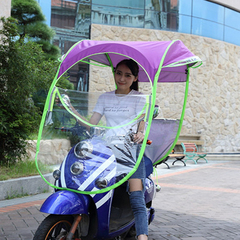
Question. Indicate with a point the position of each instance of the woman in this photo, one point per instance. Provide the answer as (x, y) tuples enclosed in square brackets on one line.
[(126, 79)]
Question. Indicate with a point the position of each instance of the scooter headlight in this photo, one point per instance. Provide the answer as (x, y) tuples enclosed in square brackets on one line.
[(56, 174), (82, 149), (76, 168)]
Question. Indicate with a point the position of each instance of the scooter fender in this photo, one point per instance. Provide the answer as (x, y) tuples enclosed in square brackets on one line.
[(66, 203)]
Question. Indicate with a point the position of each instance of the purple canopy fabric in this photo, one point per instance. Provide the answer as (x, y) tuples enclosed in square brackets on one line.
[(162, 134), (148, 55)]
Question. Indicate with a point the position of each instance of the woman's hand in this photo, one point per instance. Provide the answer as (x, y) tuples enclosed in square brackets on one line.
[(138, 137), (58, 102), (66, 101)]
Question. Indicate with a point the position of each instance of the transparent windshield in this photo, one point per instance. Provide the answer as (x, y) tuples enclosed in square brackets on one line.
[(89, 136)]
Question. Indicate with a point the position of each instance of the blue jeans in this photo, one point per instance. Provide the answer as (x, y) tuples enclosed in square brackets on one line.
[(137, 201)]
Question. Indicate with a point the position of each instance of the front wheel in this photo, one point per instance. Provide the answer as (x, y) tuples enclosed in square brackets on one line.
[(54, 227)]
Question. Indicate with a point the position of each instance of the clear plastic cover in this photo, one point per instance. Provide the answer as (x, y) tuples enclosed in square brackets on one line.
[(91, 157)]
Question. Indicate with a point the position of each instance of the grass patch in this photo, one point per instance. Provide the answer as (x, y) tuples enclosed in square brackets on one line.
[(22, 169), (15, 194), (19, 194)]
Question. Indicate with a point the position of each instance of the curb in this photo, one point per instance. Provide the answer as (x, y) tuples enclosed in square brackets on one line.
[(24, 186), (223, 156), (33, 185)]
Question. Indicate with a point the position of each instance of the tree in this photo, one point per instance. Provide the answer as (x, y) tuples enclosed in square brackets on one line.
[(31, 25), (24, 70)]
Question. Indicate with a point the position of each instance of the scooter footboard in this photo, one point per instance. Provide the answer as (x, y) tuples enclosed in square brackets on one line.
[(66, 203)]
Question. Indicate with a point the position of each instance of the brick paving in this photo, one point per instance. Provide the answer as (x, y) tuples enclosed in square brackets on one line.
[(20, 223), (199, 203), (196, 202)]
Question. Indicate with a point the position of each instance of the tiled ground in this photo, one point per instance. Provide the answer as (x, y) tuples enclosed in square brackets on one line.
[(195, 203)]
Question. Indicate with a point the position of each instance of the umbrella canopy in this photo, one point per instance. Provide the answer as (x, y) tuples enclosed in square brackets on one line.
[(171, 57)]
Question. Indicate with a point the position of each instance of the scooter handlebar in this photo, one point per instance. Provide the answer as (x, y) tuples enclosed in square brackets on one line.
[(63, 129)]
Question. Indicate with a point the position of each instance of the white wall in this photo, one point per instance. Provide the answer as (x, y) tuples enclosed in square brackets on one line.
[(5, 9)]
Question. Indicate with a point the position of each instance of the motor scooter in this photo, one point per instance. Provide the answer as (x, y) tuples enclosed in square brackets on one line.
[(92, 164), (90, 200)]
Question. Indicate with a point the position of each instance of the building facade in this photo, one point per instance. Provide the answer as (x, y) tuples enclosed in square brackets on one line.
[(213, 105), (209, 29), (214, 19), (71, 20)]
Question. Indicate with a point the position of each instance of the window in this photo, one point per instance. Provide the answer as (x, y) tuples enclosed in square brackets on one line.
[(185, 7), (120, 16), (232, 18), (185, 24), (208, 10), (206, 28), (120, 3), (232, 36)]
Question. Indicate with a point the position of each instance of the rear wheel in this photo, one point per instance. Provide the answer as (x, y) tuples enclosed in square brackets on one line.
[(54, 227)]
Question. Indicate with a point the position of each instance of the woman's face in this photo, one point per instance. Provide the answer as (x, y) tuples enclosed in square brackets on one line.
[(124, 79)]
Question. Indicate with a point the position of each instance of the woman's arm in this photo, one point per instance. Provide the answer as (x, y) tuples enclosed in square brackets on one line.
[(139, 136), (95, 118)]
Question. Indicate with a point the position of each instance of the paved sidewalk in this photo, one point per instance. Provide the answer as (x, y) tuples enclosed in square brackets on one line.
[(196, 202)]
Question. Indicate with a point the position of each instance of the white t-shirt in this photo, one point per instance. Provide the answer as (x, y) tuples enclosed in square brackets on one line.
[(120, 109)]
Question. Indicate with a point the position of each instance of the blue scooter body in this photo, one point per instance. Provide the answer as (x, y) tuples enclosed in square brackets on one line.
[(110, 211)]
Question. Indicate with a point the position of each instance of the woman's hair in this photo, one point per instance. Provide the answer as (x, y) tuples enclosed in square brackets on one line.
[(132, 65)]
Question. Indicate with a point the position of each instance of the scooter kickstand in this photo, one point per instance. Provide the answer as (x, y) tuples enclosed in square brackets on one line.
[(76, 221)]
